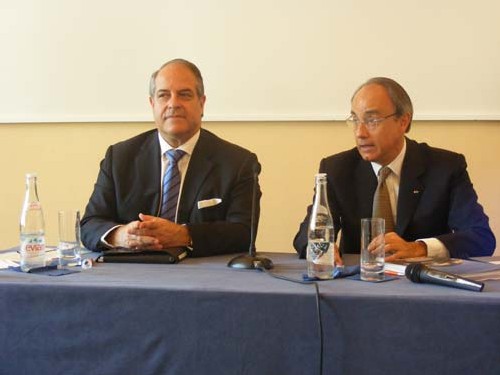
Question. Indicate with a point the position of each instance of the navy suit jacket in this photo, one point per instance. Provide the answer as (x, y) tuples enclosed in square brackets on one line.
[(436, 199), (129, 183)]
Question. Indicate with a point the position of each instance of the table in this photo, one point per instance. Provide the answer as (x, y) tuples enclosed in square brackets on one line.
[(201, 317)]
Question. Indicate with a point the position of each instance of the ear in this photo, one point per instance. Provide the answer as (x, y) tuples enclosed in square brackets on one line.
[(202, 104), (151, 102), (405, 122)]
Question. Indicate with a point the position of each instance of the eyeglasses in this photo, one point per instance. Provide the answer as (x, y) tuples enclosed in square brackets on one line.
[(371, 123)]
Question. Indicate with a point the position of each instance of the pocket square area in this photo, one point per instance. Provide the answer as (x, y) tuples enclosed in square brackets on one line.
[(208, 203)]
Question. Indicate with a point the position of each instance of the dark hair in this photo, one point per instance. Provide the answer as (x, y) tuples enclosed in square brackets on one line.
[(397, 94), (200, 88)]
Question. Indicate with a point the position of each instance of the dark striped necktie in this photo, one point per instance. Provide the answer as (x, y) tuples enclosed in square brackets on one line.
[(171, 185), (382, 202)]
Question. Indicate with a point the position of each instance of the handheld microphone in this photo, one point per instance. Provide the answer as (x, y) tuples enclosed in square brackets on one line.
[(419, 273), (252, 261)]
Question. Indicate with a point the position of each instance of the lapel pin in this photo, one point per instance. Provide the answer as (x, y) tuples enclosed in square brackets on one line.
[(416, 191)]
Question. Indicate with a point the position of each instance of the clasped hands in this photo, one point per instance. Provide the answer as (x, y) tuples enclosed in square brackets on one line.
[(149, 233)]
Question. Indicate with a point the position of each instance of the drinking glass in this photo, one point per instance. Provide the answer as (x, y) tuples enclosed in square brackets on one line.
[(372, 260), (69, 249)]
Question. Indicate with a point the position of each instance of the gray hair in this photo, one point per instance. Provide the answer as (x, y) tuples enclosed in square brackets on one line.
[(200, 88), (399, 97)]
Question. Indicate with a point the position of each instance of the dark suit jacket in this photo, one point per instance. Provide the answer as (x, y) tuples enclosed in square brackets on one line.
[(129, 183), (436, 199)]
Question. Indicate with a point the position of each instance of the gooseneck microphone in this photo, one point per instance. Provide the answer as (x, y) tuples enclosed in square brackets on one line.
[(251, 260), (419, 273)]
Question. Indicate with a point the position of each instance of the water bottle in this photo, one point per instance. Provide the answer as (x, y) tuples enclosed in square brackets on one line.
[(320, 235), (32, 228)]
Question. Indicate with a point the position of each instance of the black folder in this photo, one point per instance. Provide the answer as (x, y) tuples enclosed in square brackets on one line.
[(124, 255)]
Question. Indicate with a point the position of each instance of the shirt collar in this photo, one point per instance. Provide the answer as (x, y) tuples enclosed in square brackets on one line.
[(187, 147), (394, 165)]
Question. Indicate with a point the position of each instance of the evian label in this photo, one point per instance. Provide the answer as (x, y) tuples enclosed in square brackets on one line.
[(33, 246), (35, 206)]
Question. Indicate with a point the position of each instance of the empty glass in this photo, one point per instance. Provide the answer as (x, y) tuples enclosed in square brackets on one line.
[(372, 261), (69, 249)]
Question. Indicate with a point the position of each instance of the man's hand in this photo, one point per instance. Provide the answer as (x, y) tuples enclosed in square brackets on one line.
[(126, 236), (165, 232), (396, 248)]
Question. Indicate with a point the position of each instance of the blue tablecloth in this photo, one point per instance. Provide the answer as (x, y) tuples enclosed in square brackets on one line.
[(201, 317)]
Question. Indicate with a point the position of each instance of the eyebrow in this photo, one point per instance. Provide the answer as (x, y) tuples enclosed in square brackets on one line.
[(187, 89), (372, 112), (369, 112), (179, 91)]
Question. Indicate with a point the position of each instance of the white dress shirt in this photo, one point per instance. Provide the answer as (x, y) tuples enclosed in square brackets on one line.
[(182, 164)]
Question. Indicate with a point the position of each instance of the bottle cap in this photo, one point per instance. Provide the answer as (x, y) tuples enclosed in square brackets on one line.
[(320, 176)]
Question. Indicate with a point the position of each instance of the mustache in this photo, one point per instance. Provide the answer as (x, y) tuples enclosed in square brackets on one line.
[(172, 113)]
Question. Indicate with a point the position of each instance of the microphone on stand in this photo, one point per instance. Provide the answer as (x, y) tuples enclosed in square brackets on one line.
[(419, 273), (251, 260)]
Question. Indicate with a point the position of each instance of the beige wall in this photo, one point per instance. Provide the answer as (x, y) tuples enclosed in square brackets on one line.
[(66, 158)]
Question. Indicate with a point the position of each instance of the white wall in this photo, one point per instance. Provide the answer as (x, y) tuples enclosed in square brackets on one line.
[(90, 60)]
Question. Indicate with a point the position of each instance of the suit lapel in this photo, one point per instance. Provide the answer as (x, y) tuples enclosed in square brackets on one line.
[(411, 187), (148, 169), (366, 184), (198, 171)]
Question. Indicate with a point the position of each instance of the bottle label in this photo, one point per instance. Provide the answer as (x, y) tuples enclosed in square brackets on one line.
[(318, 248), (33, 247), (319, 252), (35, 205)]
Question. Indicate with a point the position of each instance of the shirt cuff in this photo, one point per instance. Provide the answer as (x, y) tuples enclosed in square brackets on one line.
[(435, 248), (190, 245), (103, 237)]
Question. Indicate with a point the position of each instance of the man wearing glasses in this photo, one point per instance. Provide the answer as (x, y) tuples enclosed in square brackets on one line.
[(435, 211)]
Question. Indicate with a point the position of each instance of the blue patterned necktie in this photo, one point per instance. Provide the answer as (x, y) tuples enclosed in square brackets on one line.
[(382, 202), (171, 185)]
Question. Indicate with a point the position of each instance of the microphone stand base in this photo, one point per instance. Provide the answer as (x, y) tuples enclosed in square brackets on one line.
[(250, 262)]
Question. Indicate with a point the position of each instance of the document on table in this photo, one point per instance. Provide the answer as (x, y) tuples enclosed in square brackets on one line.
[(398, 267), (395, 269), (10, 257), (486, 269), (491, 260), (472, 269), (483, 276)]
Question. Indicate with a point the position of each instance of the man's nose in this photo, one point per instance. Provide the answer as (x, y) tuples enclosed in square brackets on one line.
[(173, 101), (361, 130)]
